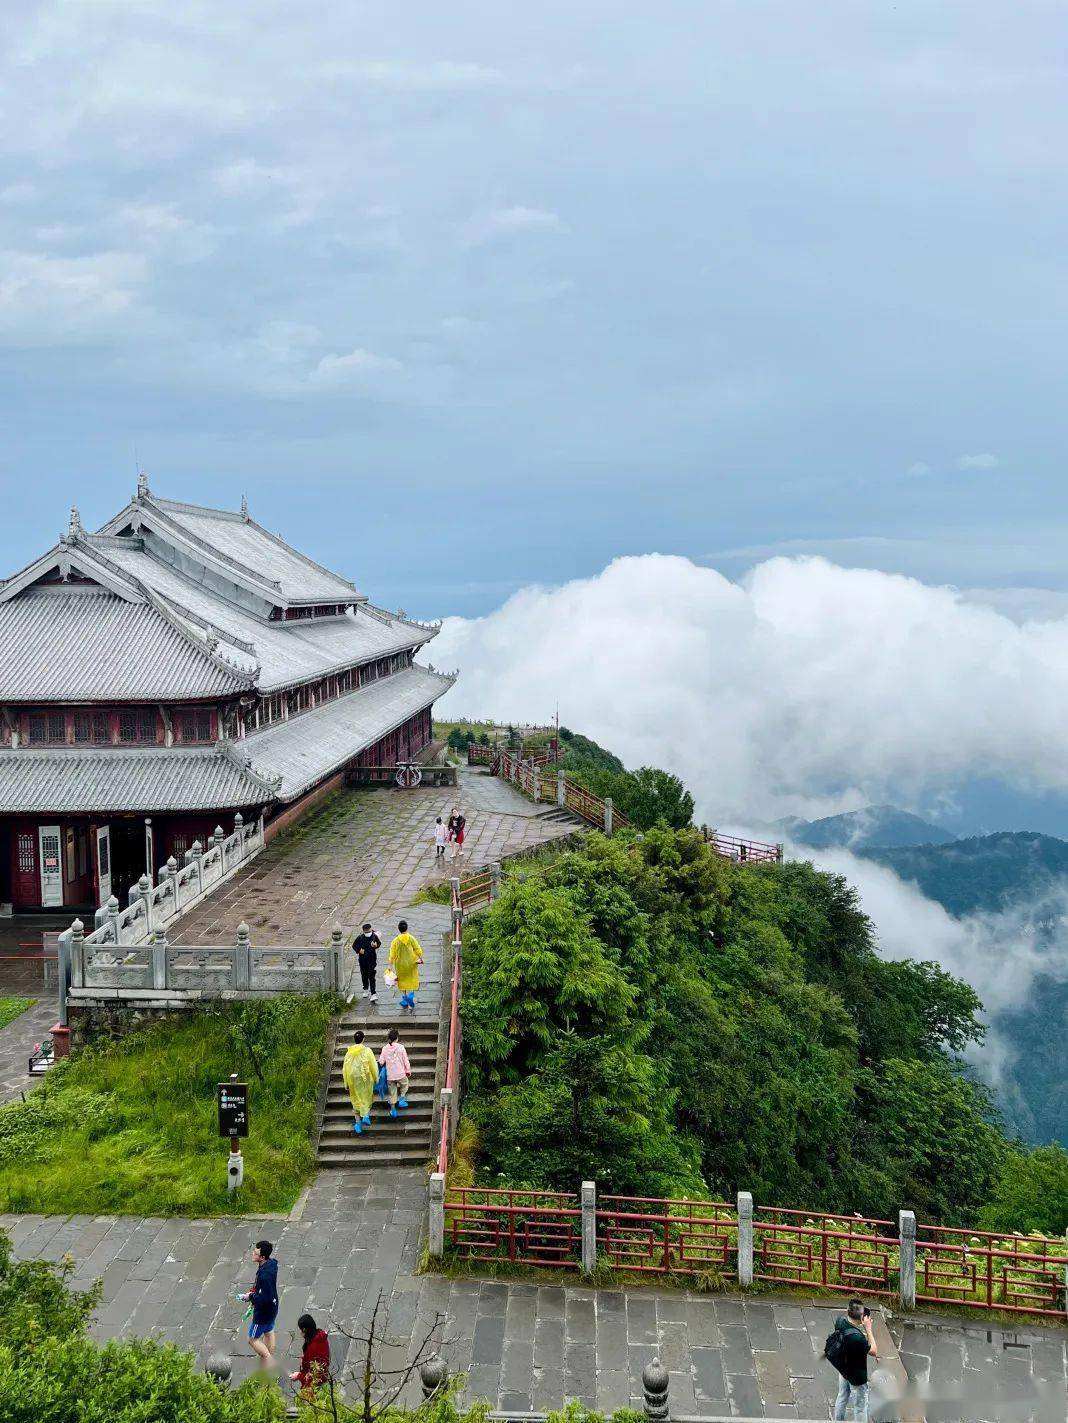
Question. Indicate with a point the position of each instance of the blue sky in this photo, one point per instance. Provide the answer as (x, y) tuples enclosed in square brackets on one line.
[(471, 296)]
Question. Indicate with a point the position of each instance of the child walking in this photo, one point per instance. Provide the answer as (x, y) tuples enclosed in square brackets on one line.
[(441, 835), (394, 1059)]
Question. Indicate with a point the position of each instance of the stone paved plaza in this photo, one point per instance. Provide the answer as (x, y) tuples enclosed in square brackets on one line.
[(522, 1346)]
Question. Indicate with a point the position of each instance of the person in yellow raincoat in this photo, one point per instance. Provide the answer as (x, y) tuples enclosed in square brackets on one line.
[(360, 1073), (405, 956)]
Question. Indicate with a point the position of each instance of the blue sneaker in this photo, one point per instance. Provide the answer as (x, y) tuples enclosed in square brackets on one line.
[(366, 1120), (392, 1111), (402, 1101), (357, 1128)]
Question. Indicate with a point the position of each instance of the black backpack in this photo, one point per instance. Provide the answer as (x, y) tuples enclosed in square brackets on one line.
[(834, 1349)]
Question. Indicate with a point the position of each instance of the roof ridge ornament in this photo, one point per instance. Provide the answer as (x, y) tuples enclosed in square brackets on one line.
[(74, 527), (142, 484), (244, 507)]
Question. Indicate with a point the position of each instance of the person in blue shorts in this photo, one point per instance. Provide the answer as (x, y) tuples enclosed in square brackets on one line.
[(264, 1300)]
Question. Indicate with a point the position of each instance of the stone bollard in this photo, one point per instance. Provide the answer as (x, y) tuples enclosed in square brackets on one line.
[(218, 1369), (337, 944), (589, 1227), (433, 1376), (608, 815), (159, 948), (906, 1238), (243, 957), (745, 1239), (436, 1224), (655, 1392)]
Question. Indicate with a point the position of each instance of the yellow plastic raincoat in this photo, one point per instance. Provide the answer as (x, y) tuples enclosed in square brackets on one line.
[(360, 1071), (405, 956)]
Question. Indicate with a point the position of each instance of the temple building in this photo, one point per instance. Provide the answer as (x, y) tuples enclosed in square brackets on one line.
[(177, 667)]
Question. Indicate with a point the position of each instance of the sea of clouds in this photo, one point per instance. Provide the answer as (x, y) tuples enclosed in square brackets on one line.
[(804, 689)]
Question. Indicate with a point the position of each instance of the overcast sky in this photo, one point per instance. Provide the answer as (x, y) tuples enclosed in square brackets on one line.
[(473, 295)]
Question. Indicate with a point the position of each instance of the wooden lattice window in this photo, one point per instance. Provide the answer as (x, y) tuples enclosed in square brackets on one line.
[(137, 724), (91, 727), (195, 724), (47, 728)]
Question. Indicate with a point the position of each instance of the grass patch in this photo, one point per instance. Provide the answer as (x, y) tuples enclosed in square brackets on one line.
[(435, 894), (10, 1008), (130, 1125)]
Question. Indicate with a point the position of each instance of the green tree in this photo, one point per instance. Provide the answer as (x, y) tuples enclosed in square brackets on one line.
[(459, 739), (651, 797), (1031, 1193)]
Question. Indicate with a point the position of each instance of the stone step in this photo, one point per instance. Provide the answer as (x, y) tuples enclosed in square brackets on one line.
[(374, 1160), (340, 1113), (380, 1135)]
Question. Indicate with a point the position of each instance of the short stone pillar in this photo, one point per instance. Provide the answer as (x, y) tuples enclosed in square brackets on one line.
[(589, 1227), (535, 782), (433, 1376), (745, 1239), (655, 1392), (218, 1369), (239, 825), (159, 948), (337, 945), (450, 1104), (113, 918), (608, 815), (495, 880), (77, 953), (242, 957), (144, 889), (906, 1236), (561, 788), (436, 1223)]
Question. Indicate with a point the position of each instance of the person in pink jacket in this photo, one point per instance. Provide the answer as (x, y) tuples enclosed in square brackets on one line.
[(398, 1071)]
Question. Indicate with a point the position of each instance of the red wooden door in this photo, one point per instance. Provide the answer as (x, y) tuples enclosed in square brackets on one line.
[(26, 886)]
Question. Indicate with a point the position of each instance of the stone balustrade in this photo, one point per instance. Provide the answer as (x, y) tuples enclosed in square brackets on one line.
[(102, 971)]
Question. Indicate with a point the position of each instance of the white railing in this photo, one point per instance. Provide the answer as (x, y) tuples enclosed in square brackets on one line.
[(152, 907), (194, 972)]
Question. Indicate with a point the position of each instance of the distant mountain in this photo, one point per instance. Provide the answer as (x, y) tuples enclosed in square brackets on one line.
[(861, 830), (987, 872), (992, 874)]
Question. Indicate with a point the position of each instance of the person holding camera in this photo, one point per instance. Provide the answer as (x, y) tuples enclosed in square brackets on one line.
[(848, 1349)]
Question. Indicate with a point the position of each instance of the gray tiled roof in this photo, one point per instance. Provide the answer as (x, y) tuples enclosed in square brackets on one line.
[(285, 652), (260, 552), (76, 781), (309, 747), (64, 644)]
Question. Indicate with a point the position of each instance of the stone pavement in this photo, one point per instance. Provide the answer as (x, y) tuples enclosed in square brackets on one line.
[(521, 1346), (16, 1042), (364, 854)]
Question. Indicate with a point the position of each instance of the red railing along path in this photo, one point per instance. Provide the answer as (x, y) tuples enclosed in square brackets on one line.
[(731, 847), (658, 1237), (541, 1228), (810, 1248), (1021, 1274)]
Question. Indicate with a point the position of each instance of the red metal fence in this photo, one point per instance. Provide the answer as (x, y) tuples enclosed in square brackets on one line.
[(1021, 1274), (541, 1228), (824, 1251), (659, 1237), (731, 847)]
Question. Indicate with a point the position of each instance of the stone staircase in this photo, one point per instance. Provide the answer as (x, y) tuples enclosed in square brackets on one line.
[(401, 1141)]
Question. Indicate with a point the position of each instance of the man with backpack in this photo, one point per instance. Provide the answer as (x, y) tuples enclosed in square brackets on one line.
[(848, 1349)]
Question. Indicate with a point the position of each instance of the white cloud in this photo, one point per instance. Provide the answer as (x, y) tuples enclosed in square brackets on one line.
[(357, 368), (429, 75), (981, 461), (507, 222), (806, 689), (919, 469), (46, 299)]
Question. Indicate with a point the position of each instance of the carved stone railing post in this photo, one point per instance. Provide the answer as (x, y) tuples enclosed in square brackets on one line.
[(196, 858), (745, 1239), (608, 815), (337, 944), (113, 918), (239, 829), (535, 782), (158, 951), (655, 1392), (172, 875), (77, 954), (589, 1227), (144, 889), (561, 789), (436, 1224), (906, 1244), (242, 958)]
